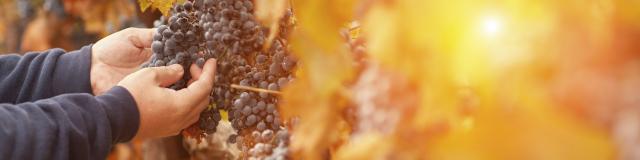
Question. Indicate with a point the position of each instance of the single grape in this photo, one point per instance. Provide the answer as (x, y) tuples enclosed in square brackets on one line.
[(282, 81), (273, 87), (246, 110), (267, 134), (261, 126), (188, 6), (245, 97), (157, 47), (258, 75), (256, 111), (251, 119), (157, 36), (179, 36), (271, 108), (167, 33), (275, 69), (261, 106), (200, 62), (170, 43), (238, 103), (208, 3), (269, 118)]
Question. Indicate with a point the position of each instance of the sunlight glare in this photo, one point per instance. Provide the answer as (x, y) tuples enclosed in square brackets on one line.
[(491, 26)]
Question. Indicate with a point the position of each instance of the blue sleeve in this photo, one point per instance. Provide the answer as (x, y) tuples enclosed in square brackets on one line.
[(68, 126), (36, 76), (47, 110)]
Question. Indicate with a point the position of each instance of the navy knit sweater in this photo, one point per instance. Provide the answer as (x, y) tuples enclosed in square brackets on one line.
[(47, 110)]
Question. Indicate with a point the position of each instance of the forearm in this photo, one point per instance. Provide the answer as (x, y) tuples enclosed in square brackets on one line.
[(69, 126), (43, 75)]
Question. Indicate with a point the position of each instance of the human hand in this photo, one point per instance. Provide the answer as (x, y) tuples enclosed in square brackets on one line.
[(163, 111), (117, 56)]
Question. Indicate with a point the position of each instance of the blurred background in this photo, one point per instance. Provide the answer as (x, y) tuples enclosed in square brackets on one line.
[(31, 25)]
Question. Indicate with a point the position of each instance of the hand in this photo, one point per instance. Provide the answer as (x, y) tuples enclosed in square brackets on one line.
[(117, 56), (163, 111)]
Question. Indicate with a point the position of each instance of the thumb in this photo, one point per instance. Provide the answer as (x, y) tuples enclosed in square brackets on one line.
[(201, 87), (167, 75), (206, 78)]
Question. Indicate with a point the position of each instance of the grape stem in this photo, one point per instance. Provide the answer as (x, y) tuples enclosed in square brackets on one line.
[(254, 89)]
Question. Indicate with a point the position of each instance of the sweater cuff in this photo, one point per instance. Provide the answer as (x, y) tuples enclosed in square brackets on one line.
[(122, 112), (72, 72)]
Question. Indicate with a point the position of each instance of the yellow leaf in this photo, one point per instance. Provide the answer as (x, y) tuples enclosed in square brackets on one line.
[(164, 6), (144, 4), (318, 46)]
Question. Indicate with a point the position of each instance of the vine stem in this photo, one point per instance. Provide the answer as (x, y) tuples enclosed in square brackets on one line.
[(254, 89)]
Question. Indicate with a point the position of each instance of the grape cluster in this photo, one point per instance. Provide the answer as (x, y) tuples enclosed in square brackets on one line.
[(264, 145), (227, 31), (178, 42)]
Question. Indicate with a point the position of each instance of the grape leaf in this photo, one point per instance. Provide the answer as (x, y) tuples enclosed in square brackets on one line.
[(164, 6), (144, 4)]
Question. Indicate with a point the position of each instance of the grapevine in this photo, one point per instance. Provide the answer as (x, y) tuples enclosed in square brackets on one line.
[(367, 79), (227, 31)]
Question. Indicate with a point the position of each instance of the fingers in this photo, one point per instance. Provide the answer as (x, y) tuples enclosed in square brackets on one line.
[(167, 75), (208, 72), (195, 71), (205, 79), (140, 37), (200, 88), (200, 91)]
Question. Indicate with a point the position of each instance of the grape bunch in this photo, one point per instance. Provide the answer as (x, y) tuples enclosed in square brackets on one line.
[(179, 42), (267, 144), (227, 31)]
